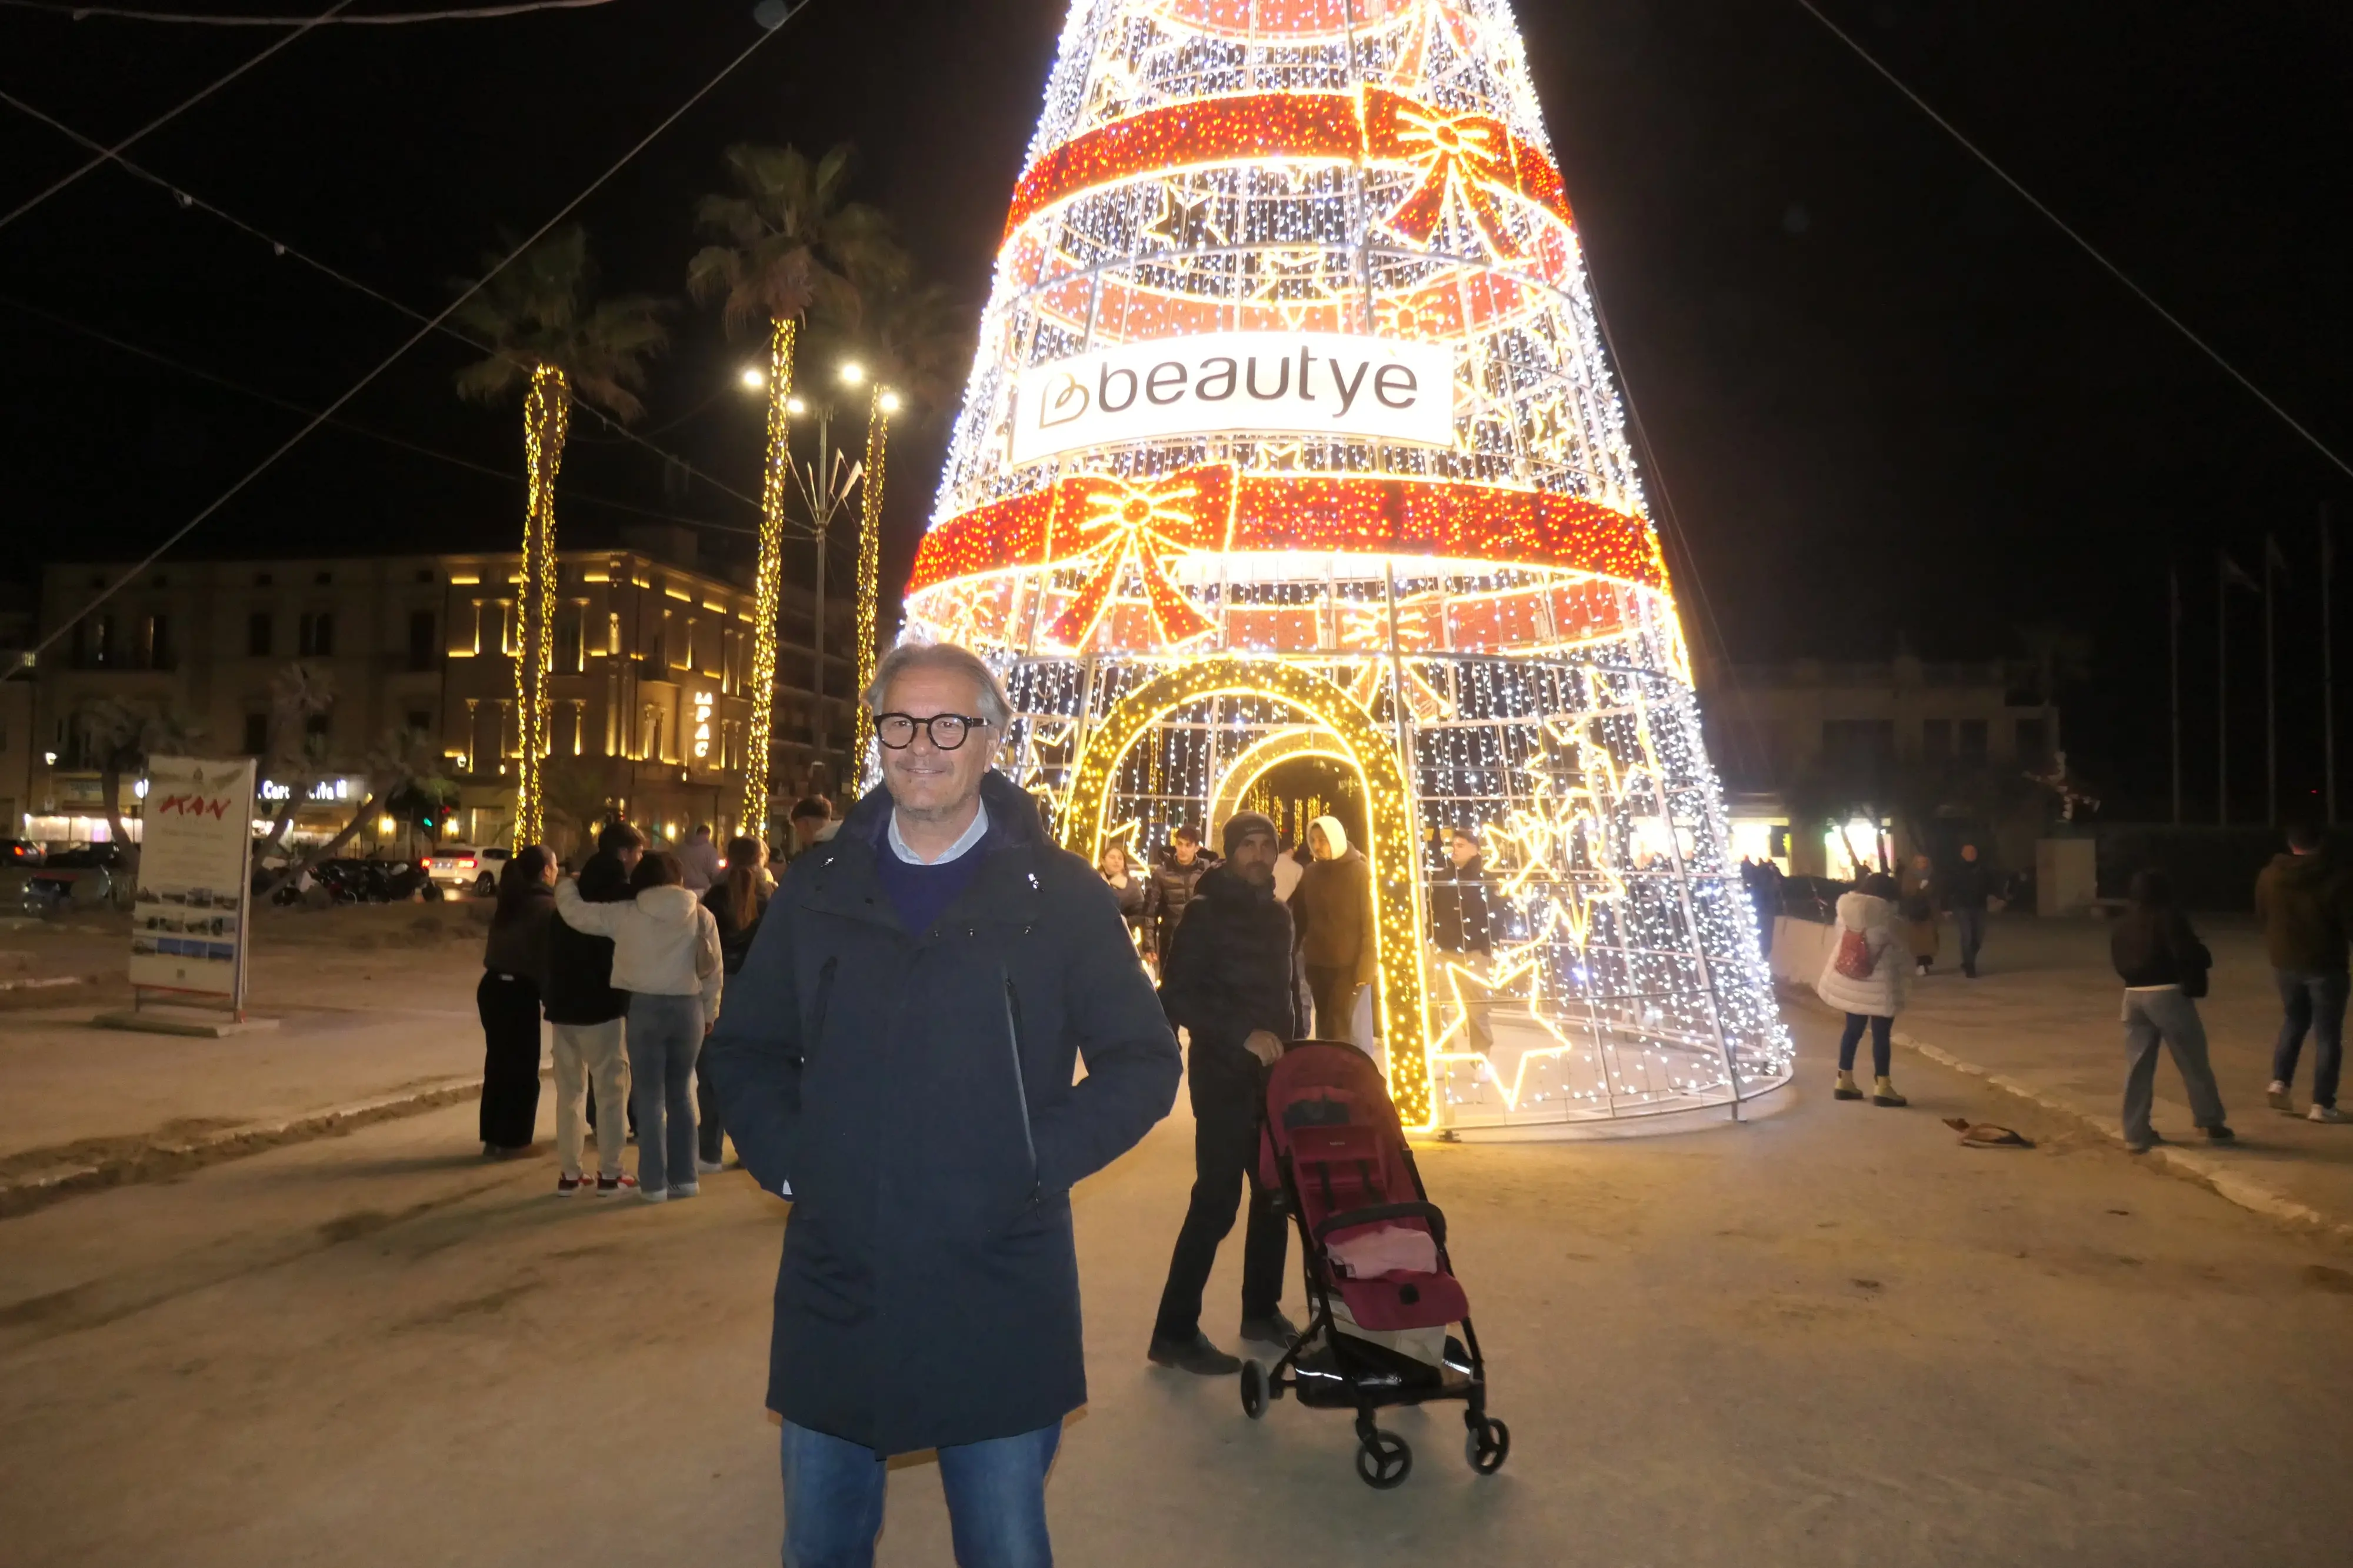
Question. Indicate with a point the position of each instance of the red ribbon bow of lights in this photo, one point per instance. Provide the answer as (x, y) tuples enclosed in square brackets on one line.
[(1148, 521), (1462, 156)]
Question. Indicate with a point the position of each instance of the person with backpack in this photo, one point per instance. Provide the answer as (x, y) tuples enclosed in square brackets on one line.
[(666, 956), (587, 1013), (1864, 979), (736, 902), (514, 976), (2163, 966)]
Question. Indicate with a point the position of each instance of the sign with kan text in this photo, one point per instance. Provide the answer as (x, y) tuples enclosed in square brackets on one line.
[(1235, 383), (190, 917)]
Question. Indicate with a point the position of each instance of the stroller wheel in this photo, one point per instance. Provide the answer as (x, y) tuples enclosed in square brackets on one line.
[(1254, 1389), (1384, 1461), (1489, 1444)]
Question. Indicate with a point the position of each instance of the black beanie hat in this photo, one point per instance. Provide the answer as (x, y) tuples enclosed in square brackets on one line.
[(1242, 823)]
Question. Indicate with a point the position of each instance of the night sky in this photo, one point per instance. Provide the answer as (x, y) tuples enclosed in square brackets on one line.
[(1885, 399)]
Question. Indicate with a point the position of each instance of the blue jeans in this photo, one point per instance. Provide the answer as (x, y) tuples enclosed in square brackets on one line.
[(2313, 1003), (996, 1499), (2171, 1017), (1970, 925), (665, 1036)]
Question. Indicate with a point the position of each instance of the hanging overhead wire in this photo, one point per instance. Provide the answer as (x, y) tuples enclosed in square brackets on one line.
[(198, 372), (2085, 246), (173, 113), (193, 201), (384, 19), (30, 655)]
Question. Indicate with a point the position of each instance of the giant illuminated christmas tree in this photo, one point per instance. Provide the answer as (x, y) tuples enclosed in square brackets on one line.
[(1291, 435)]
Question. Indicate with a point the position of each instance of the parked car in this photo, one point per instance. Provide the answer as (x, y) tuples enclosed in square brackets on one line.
[(460, 867), (92, 874), (20, 852)]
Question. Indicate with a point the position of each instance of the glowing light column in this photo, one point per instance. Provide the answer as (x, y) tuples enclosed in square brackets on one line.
[(768, 583), (547, 413)]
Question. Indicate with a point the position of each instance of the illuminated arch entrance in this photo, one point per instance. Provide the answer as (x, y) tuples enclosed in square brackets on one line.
[(1345, 730), (1263, 756)]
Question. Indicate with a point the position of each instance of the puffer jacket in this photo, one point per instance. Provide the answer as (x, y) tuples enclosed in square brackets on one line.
[(663, 941), (1172, 888), (2305, 902), (1229, 970), (1879, 995)]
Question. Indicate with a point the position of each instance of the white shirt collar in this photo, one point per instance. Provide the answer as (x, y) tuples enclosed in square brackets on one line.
[(972, 836)]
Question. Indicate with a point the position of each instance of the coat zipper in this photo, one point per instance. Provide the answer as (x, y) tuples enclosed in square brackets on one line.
[(1020, 1080)]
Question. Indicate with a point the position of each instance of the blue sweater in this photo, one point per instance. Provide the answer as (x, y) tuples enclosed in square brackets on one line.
[(922, 893)]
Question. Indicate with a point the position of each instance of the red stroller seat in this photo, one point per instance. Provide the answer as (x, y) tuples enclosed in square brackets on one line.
[(1379, 1280)]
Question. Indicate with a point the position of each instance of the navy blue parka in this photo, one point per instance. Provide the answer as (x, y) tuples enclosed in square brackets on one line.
[(914, 1089)]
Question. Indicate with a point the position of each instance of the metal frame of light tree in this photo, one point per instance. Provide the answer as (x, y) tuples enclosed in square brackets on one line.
[(1361, 167), (547, 413), (768, 578)]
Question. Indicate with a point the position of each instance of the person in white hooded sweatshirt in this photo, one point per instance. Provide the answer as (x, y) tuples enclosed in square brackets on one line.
[(666, 956), (1868, 986)]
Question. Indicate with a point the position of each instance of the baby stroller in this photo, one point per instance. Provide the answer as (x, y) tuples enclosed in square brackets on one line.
[(1379, 1289)]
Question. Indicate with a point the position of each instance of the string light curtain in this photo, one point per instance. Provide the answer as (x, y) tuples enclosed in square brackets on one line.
[(1290, 434)]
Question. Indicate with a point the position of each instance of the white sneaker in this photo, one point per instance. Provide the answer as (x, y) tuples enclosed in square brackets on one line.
[(2324, 1114), (705, 1167), (653, 1195), (686, 1189)]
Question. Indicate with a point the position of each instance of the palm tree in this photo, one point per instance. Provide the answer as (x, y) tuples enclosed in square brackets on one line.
[(298, 693), (546, 333), (791, 244), (124, 734)]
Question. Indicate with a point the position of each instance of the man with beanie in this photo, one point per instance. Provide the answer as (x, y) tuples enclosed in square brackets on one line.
[(1225, 977)]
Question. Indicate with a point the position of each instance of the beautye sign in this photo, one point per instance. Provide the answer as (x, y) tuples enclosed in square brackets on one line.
[(1230, 384)]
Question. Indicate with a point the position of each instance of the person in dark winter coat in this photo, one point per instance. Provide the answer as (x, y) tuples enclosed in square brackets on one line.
[(514, 976), (1971, 883), (1226, 979), (1138, 896), (2305, 899), (737, 904), (901, 1056), (1335, 908), (2163, 966), (587, 1013), (1179, 870), (1462, 933)]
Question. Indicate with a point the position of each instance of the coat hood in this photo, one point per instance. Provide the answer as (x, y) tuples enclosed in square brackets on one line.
[(1860, 911), (670, 906), (1334, 834)]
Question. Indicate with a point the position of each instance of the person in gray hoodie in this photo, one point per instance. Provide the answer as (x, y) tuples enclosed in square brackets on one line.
[(666, 956)]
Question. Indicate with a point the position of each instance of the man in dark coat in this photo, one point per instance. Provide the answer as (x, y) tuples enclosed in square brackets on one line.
[(1966, 891), (2305, 899), (898, 1048), (1174, 874), (1462, 933), (1225, 978)]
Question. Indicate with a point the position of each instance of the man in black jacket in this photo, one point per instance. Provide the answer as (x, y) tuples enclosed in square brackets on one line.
[(1174, 874), (1462, 933), (899, 1049), (1225, 978), (1966, 891)]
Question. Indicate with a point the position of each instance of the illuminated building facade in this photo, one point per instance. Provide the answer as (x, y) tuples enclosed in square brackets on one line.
[(1291, 437)]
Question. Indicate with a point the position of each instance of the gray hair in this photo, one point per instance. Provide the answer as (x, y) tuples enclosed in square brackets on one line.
[(995, 706)]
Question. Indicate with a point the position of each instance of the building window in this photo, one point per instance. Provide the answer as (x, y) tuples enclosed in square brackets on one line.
[(316, 635), (317, 727), (261, 579), (425, 574), (102, 647), (1859, 744), (256, 734), (420, 721), (258, 628), (571, 637), (1973, 740), (2033, 741), (613, 632), (324, 578), (157, 637), (1936, 740), (420, 639)]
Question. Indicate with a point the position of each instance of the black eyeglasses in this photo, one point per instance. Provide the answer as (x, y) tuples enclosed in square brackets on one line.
[(947, 731)]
